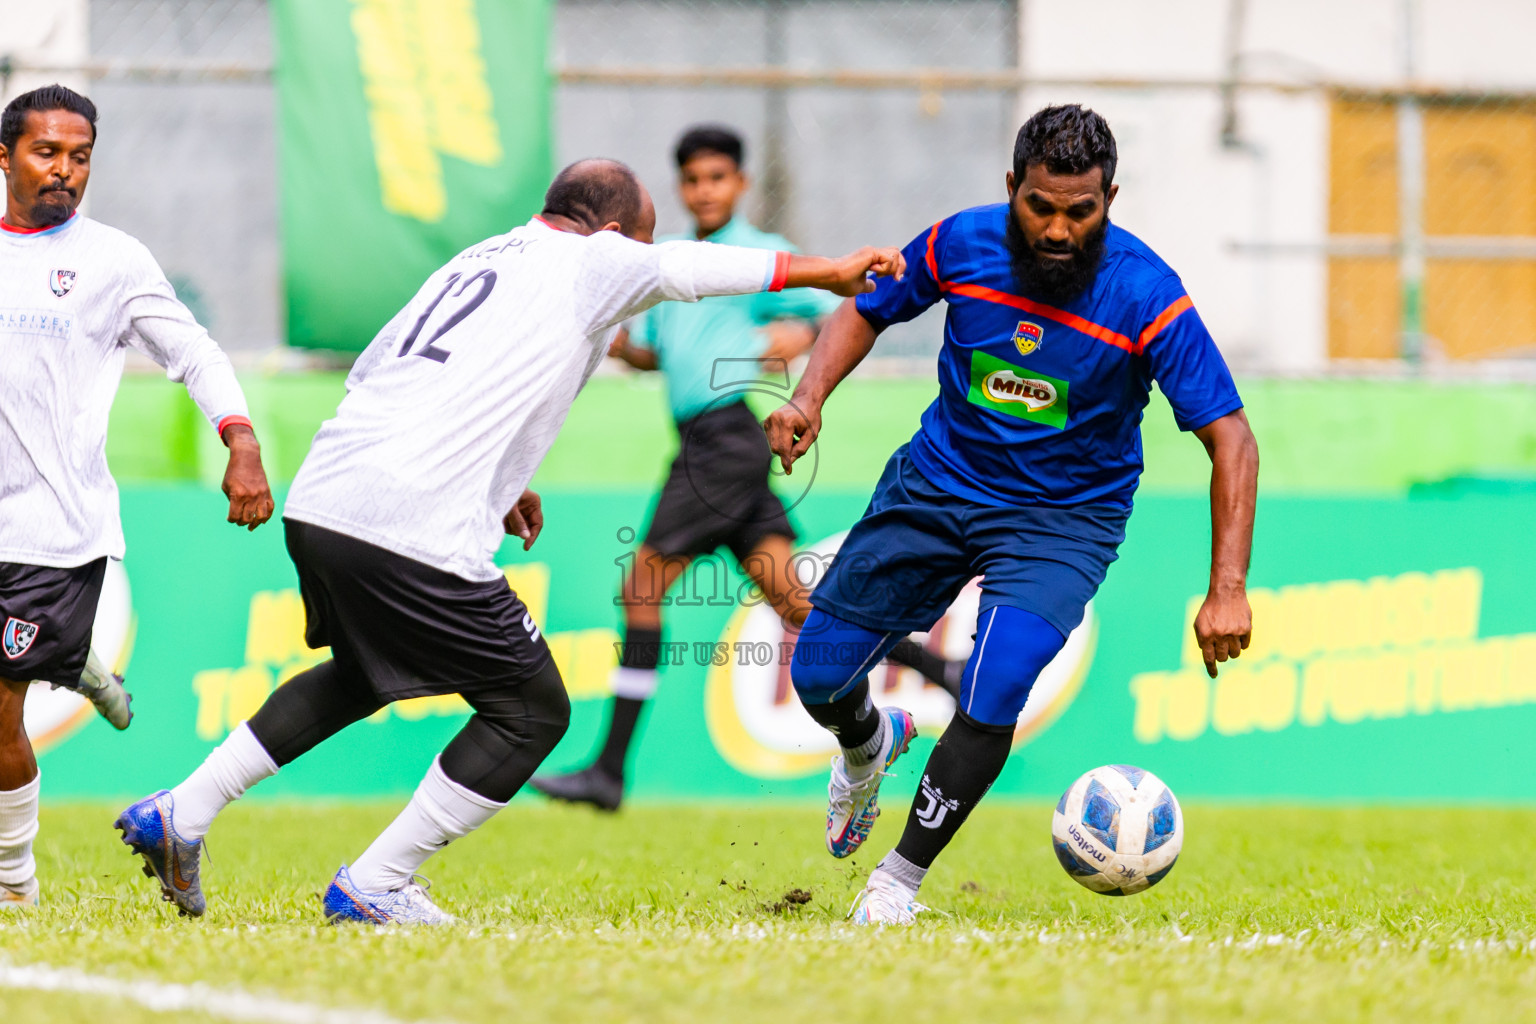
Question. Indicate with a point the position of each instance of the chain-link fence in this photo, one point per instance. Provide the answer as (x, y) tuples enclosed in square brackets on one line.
[(1317, 207)]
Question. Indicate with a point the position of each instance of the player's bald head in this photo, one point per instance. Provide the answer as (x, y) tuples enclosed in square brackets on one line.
[(597, 192)]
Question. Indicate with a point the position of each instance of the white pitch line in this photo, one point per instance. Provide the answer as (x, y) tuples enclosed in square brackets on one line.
[(167, 997)]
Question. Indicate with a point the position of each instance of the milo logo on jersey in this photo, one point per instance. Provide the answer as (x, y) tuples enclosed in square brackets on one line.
[(1015, 391), (759, 726)]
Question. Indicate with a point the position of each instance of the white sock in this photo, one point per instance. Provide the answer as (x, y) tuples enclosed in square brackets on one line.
[(235, 765), (440, 811), (902, 870), (864, 760), (633, 683), (18, 824)]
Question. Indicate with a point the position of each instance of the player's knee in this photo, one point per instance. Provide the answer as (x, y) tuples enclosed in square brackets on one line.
[(549, 709), (830, 657), (814, 683), (996, 687)]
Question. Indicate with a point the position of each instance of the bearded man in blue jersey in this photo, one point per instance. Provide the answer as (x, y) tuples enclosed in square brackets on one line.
[(1022, 472)]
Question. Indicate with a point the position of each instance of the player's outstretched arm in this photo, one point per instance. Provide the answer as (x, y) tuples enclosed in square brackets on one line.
[(845, 275), (843, 344), (1224, 623), (245, 481)]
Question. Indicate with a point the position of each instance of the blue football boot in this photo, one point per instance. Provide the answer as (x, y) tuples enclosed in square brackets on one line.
[(148, 830), (852, 798), (345, 903)]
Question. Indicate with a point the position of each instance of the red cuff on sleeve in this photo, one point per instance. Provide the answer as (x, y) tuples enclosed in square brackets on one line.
[(780, 272), (232, 421)]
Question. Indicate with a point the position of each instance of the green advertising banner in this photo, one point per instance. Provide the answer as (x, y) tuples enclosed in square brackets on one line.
[(1394, 658), (410, 129)]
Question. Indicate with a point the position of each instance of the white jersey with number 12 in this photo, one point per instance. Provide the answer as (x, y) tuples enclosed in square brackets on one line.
[(457, 400)]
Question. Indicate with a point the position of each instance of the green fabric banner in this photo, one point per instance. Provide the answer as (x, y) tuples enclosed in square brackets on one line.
[(1394, 658), (410, 129)]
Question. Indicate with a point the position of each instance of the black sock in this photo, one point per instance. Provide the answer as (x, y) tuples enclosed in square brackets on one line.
[(910, 654), (312, 706), (852, 719), (623, 716), (641, 650), (964, 764)]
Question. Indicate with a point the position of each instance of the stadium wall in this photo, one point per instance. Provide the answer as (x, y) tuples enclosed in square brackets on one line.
[(1394, 658)]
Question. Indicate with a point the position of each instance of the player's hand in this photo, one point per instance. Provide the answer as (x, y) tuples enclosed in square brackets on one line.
[(1223, 627), (245, 481), (852, 271), (526, 519), (791, 431)]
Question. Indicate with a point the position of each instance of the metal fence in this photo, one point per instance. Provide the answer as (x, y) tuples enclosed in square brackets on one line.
[(1323, 204)]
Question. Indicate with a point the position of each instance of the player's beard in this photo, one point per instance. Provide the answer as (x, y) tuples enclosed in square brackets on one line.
[(1056, 282), (53, 207)]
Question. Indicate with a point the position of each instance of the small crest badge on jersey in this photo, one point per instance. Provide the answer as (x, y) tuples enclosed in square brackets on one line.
[(61, 281), (17, 637), (1027, 337)]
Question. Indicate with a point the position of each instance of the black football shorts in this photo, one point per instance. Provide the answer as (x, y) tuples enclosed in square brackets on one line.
[(46, 616), (717, 492), (412, 630)]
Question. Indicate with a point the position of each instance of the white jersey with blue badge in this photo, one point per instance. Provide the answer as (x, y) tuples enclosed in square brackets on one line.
[(73, 299)]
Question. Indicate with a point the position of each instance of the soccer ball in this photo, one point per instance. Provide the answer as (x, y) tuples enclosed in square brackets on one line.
[(1118, 830)]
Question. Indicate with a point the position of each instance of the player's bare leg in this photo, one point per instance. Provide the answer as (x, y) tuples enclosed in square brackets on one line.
[(19, 781), (770, 565), (645, 586)]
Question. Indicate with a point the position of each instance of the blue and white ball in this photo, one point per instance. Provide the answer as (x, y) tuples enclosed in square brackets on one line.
[(1118, 830)]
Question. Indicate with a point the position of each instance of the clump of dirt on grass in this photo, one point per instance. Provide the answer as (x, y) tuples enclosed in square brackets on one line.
[(793, 899)]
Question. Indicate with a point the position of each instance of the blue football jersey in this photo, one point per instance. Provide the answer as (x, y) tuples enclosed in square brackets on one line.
[(1039, 405)]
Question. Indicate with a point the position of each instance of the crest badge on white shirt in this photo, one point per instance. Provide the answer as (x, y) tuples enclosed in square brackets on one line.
[(61, 281)]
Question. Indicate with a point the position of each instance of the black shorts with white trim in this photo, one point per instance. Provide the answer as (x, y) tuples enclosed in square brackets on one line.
[(409, 628)]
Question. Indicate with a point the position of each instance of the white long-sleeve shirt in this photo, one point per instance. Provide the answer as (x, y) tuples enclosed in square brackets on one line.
[(72, 299), (457, 400)]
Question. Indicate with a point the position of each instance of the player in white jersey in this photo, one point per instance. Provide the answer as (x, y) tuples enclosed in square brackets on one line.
[(394, 520), (74, 296)]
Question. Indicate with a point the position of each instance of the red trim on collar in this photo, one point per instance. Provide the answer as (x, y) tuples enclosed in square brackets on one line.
[(12, 230), (546, 223)]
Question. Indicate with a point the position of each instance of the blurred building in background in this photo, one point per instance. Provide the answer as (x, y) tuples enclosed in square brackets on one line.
[(1334, 181)]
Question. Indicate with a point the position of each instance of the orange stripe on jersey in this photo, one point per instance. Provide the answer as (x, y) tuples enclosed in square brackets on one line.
[(933, 263), (1061, 316), (1164, 318)]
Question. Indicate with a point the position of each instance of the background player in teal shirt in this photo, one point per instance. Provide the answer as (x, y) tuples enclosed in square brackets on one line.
[(717, 493)]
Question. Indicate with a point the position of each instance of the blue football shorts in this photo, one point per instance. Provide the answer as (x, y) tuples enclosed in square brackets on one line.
[(916, 546)]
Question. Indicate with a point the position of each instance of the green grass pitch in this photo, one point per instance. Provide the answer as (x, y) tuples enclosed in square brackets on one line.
[(679, 913)]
